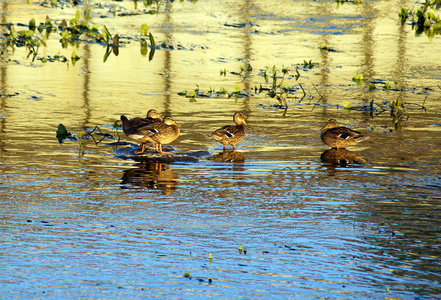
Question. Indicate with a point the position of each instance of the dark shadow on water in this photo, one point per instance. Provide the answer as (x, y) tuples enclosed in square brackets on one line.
[(156, 176), (333, 158)]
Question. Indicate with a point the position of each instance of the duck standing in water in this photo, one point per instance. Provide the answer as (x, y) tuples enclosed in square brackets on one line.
[(131, 127), (161, 133), (340, 137), (231, 134)]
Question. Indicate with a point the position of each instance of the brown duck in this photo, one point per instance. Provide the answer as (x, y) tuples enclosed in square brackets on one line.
[(160, 133), (340, 137), (231, 134), (131, 128)]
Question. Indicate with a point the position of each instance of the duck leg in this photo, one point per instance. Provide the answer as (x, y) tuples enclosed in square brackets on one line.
[(142, 149), (160, 149)]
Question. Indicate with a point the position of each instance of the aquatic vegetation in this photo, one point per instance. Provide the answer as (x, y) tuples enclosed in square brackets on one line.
[(62, 133), (57, 57), (398, 113), (23, 38), (275, 85), (324, 46), (423, 18), (359, 77), (144, 47), (71, 32)]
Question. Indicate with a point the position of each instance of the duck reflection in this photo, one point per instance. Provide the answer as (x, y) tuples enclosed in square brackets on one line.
[(341, 157), (229, 156), (236, 159), (153, 176)]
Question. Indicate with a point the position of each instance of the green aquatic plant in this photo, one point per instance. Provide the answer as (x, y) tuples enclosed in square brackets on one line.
[(308, 64), (144, 45), (398, 113), (74, 57), (244, 71), (62, 133), (358, 77), (423, 18), (30, 38)]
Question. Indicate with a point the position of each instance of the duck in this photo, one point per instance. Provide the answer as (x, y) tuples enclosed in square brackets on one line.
[(131, 127), (340, 137), (160, 133), (151, 117), (231, 134)]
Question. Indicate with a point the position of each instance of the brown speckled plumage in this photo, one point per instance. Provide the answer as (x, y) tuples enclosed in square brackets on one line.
[(340, 137), (131, 128), (231, 134)]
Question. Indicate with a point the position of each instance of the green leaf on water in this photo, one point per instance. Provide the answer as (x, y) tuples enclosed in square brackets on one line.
[(144, 30), (347, 105), (107, 33), (25, 33), (236, 88), (358, 77), (74, 56), (77, 16), (32, 24), (116, 40), (152, 40), (62, 130)]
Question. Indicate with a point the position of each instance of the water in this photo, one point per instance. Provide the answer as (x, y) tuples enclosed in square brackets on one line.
[(79, 222)]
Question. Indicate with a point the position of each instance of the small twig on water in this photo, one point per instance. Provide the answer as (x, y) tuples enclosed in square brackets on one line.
[(390, 228)]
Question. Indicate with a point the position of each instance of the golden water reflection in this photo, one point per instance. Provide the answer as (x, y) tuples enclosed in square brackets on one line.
[(153, 176), (271, 193), (341, 157)]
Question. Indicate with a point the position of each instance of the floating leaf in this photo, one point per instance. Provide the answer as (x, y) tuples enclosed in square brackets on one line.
[(74, 56), (32, 24), (107, 33), (77, 16), (358, 77), (152, 40), (62, 133), (144, 30), (236, 88), (25, 33), (187, 274), (347, 105), (62, 129)]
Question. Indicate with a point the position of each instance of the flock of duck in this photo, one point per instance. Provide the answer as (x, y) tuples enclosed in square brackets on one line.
[(157, 132)]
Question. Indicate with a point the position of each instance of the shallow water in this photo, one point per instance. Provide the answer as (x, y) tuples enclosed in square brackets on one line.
[(79, 222)]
